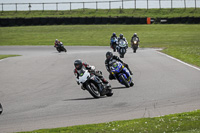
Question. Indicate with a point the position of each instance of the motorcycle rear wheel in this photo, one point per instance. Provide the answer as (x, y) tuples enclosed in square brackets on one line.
[(110, 93), (64, 49)]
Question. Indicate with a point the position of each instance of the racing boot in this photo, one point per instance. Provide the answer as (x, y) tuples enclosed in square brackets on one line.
[(130, 72), (106, 82), (106, 86)]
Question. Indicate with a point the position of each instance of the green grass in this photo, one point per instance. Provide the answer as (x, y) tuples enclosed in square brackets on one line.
[(188, 122), (180, 41), (6, 56), (176, 12)]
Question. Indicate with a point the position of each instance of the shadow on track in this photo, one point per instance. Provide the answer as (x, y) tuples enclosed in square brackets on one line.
[(89, 98), (119, 88)]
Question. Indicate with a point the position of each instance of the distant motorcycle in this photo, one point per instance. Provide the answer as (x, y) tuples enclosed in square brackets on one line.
[(93, 84), (122, 74), (1, 109), (114, 43), (60, 47), (134, 44), (122, 48)]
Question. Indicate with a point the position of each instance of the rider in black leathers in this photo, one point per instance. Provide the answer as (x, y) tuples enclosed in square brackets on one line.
[(134, 35), (110, 59)]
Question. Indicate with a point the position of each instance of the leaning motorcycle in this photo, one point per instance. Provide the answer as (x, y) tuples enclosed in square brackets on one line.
[(114, 43), (93, 84), (122, 48), (134, 44), (122, 74), (60, 47)]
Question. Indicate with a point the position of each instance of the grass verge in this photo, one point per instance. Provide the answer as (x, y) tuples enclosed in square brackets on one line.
[(176, 12), (180, 41), (6, 56), (187, 122)]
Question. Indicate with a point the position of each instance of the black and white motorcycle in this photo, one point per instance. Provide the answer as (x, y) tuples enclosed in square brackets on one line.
[(60, 47), (93, 84), (134, 44), (122, 48)]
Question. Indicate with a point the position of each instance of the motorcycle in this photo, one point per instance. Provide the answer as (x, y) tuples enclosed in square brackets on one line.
[(122, 74), (60, 47), (94, 85), (114, 43), (1, 109), (122, 48), (134, 44)]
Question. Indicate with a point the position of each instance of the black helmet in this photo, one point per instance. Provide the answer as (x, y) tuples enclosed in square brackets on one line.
[(121, 36), (78, 64), (109, 55)]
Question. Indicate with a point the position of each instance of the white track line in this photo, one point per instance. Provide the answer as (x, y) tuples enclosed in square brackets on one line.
[(2, 59), (179, 61)]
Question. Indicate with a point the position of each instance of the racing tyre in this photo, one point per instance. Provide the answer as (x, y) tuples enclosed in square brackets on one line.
[(93, 90), (1, 109), (125, 82)]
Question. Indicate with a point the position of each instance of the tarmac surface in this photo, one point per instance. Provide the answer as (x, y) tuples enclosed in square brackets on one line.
[(38, 89)]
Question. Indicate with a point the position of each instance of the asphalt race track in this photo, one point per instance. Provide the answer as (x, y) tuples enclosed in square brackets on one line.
[(38, 89)]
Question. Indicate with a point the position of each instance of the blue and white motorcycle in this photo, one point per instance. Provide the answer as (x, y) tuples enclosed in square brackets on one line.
[(114, 43), (122, 74)]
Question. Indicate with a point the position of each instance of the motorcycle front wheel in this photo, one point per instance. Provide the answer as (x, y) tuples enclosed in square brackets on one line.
[(124, 81), (1, 108), (93, 90)]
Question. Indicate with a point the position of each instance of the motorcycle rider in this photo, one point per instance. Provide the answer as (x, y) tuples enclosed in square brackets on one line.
[(110, 59), (111, 38), (134, 35), (121, 37), (56, 43), (79, 65)]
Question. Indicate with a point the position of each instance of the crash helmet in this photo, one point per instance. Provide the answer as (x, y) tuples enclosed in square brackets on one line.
[(56, 40), (135, 34), (114, 34), (121, 36), (78, 64), (109, 55)]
